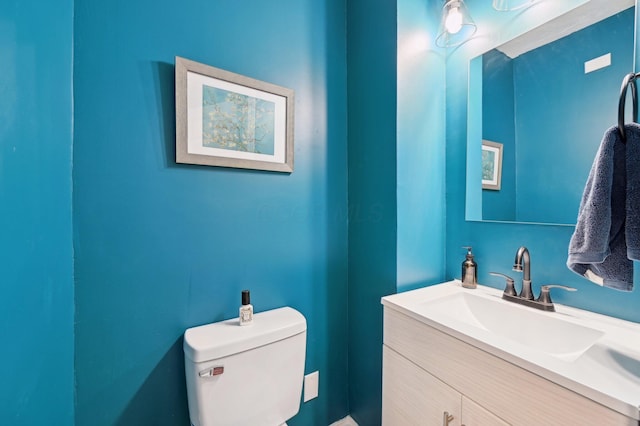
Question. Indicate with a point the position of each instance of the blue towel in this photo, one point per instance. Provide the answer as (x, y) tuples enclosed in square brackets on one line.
[(632, 228), (607, 235)]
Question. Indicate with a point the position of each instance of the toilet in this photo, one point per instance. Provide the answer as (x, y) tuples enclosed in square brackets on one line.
[(246, 375)]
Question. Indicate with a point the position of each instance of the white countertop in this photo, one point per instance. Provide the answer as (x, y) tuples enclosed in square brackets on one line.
[(608, 372)]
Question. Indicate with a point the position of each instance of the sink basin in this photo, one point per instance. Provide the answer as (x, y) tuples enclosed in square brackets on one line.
[(546, 332)]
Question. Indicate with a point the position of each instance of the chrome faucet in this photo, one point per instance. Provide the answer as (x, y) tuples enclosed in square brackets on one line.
[(522, 263)]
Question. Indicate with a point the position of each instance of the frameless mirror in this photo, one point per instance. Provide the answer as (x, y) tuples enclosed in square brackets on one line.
[(538, 107)]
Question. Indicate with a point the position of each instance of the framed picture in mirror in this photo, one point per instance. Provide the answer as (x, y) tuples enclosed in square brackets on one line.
[(491, 165)]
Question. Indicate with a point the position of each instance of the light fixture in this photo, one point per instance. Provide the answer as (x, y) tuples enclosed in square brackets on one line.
[(456, 25), (507, 5)]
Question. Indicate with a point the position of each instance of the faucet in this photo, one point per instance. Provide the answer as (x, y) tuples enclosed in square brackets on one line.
[(522, 264)]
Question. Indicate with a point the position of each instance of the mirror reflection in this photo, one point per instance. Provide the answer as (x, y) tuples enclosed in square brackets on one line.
[(545, 99)]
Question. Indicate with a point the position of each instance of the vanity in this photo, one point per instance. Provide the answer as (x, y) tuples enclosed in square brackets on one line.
[(455, 356)]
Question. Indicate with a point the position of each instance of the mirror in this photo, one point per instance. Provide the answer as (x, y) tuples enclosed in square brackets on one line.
[(538, 107)]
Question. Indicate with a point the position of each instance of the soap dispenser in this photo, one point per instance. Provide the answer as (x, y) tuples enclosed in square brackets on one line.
[(469, 271)]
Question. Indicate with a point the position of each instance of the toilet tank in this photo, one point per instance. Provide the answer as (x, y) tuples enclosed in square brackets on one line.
[(246, 375)]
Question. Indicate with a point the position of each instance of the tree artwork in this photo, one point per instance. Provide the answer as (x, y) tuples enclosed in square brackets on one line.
[(237, 122)]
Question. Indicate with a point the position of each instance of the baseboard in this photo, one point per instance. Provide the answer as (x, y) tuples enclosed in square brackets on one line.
[(347, 421)]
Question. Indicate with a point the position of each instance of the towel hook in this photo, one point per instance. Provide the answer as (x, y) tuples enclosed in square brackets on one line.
[(629, 80)]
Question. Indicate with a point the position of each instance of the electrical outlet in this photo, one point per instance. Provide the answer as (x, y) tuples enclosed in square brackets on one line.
[(311, 385)]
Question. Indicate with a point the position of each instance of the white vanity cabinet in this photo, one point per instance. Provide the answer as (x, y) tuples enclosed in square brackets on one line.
[(475, 415), (431, 378), (412, 396)]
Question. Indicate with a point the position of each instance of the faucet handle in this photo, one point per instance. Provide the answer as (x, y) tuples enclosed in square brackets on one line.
[(545, 296), (510, 288)]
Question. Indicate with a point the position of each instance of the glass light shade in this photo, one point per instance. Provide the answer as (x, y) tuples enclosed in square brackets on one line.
[(456, 25), (507, 5)]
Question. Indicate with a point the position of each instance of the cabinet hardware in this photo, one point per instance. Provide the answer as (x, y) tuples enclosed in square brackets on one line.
[(447, 418)]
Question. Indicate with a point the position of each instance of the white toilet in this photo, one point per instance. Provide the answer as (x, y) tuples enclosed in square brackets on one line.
[(246, 375)]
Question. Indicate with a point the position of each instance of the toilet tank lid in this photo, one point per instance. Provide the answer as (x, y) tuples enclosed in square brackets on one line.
[(221, 339)]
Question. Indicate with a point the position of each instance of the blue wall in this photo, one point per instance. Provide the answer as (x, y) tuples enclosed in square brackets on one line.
[(420, 157), (162, 247), (372, 195), (495, 244), (396, 175), (36, 304)]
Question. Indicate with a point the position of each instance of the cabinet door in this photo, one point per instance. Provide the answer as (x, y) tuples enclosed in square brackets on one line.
[(475, 415), (413, 397)]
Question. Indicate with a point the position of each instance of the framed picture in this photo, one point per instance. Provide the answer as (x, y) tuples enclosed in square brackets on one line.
[(491, 165), (229, 120)]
